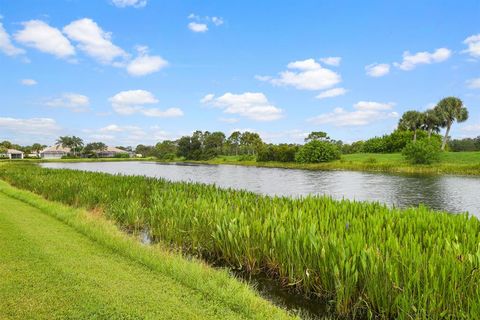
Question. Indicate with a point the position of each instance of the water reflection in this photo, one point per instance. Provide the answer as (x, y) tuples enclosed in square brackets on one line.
[(450, 193)]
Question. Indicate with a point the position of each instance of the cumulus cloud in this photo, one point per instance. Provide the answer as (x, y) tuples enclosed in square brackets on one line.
[(472, 128), (200, 24), (93, 40), (335, 92), (307, 75), (332, 61), (473, 83), (145, 64), (39, 35), (198, 27), (410, 61), (6, 45), (251, 105), (377, 69), (32, 126), (72, 101), (129, 3), (365, 112), (28, 82), (473, 43), (134, 101)]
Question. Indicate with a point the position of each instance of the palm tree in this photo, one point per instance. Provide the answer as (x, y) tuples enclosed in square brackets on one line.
[(450, 109), (431, 122), (411, 120), (77, 144)]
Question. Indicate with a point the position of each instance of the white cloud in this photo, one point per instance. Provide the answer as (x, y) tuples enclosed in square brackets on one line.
[(93, 40), (332, 61), (39, 35), (32, 126), (130, 3), (145, 64), (335, 92), (308, 75), (6, 45), (377, 69), (134, 101), (473, 43), (410, 61), (474, 83), (198, 27), (262, 78), (72, 101), (28, 82), (217, 21), (115, 134), (209, 97), (252, 105), (201, 24), (365, 113)]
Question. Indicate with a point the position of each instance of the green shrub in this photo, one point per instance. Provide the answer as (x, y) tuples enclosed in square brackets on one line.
[(422, 151), (280, 153), (318, 151)]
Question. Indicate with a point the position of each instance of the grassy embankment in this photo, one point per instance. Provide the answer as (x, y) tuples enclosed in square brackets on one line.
[(365, 258), (467, 163), (58, 262)]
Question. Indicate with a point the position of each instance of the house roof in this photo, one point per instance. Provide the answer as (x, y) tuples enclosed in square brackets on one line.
[(113, 149), (55, 149), (12, 151)]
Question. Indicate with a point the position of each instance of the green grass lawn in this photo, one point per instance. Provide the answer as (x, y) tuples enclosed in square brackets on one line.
[(57, 262)]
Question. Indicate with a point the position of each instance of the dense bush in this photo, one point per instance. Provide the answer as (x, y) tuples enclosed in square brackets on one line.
[(354, 147), (394, 142), (422, 151), (375, 145), (122, 155), (280, 153), (318, 151), (466, 144)]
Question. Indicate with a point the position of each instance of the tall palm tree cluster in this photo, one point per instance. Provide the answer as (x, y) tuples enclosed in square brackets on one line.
[(443, 115), (73, 142)]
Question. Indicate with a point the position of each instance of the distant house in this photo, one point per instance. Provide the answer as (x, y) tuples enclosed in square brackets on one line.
[(12, 154), (112, 152), (54, 152)]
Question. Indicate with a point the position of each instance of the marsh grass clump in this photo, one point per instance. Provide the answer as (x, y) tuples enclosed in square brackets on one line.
[(366, 258)]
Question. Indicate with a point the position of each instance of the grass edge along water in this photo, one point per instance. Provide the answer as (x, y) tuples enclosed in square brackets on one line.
[(369, 260)]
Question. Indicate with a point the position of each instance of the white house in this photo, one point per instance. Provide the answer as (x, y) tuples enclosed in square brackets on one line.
[(54, 152), (12, 154)]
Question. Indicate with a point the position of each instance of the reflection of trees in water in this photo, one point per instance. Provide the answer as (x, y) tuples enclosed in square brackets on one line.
[(432, 191)]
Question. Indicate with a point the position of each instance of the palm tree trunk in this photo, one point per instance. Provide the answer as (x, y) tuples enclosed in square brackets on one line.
[(430, 133), (444, 143), (415, 135)]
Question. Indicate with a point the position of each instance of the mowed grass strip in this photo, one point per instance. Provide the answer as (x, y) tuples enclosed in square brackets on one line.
[(86, 269)]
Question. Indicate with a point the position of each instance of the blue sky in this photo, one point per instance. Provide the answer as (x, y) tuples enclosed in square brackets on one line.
[(139, 71)]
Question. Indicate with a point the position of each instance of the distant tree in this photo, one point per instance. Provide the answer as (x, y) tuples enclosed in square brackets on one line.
[(317, 135), (73, 142), (94, 147), (165, 150), (251, 142), (6, 144), (450, 109), (233, 141), (3, 149), (145, 151), (318, 151), (411, 120), (213, 143), (431, 122), (37, 147)]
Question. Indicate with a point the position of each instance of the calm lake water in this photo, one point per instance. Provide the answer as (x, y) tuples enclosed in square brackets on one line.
[(449, 193)]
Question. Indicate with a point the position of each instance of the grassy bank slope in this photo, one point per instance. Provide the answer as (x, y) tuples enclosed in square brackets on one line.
[(56, 262), (467, 163), (366, 258)]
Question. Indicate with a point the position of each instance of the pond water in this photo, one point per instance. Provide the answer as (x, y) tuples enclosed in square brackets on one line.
[(450, 193)]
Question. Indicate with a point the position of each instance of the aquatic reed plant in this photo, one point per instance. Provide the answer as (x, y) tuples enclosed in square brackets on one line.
[(367, 259)]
